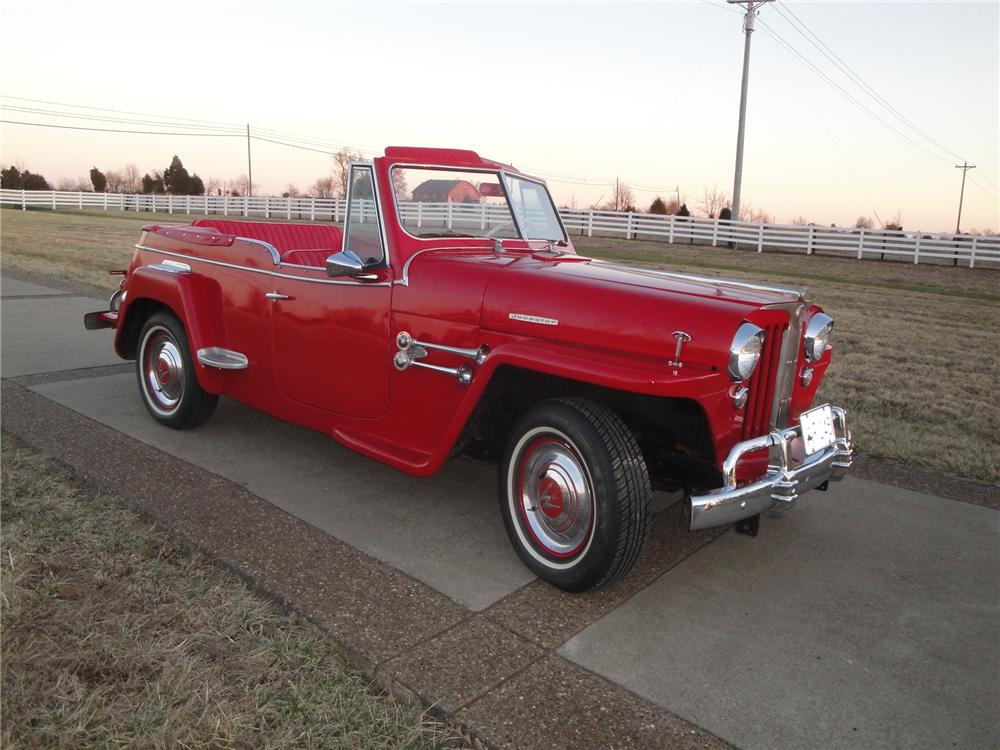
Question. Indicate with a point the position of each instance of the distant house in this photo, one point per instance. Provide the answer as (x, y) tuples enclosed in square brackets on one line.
[(442, 191)]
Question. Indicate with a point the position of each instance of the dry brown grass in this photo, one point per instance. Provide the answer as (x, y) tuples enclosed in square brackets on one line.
[(916, 346), (113, 636)]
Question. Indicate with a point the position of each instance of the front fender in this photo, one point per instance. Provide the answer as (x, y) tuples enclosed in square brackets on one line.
[(195, 299)]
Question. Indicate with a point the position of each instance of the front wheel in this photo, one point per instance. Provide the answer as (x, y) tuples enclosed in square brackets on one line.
[(167, 381), (574, 493)]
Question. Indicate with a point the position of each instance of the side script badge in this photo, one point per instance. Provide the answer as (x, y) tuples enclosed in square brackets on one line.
[(533, 319)]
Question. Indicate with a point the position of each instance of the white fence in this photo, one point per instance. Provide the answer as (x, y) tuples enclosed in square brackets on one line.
[(860, 243)]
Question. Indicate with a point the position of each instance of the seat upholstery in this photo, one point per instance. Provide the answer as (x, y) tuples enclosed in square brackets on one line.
[(302, 244), (314, 258)]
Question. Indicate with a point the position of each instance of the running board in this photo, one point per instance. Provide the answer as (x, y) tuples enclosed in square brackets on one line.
[(223, 359)]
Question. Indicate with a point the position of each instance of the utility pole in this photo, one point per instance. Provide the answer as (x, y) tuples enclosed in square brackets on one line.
[(961, 196), (751, 13), (249, 165)]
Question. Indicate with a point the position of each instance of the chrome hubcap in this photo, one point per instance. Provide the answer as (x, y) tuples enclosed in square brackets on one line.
[(555, 495), (164, 369)]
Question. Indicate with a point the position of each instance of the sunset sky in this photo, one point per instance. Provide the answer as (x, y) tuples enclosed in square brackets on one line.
[(577, 93)]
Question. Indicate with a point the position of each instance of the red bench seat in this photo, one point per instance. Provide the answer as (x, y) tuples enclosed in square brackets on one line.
[(301, 244)]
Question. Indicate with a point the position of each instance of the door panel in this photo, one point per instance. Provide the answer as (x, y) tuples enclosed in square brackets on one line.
[(331, 346)]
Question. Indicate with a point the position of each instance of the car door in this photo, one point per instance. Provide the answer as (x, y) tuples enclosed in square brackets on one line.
[(331, 336)]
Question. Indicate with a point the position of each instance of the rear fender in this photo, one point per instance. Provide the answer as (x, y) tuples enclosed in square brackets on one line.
[(195, 299)]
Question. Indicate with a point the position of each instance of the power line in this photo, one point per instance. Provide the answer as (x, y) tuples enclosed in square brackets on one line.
[(118, 111), (846, 69), (117, 130), (850, 97)]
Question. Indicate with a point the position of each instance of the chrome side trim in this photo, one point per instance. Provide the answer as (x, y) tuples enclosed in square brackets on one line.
[(171, 266), (266, 245), (783, 482), (275, 274), (405, 281), (720, 280), (223, 359)]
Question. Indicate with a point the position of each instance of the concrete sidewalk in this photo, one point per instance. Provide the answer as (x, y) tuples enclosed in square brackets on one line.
[(867, 617)]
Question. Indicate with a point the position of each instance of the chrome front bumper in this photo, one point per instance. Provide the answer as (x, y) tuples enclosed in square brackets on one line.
[(784, 481)]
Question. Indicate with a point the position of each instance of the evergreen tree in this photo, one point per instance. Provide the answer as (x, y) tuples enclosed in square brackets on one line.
[(98, 180), (176, 178)]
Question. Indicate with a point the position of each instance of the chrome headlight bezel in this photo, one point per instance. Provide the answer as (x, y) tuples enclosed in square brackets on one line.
[(817, 336), (744, 352)]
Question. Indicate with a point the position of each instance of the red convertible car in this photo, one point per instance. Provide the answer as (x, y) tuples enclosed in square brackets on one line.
[(430, 327)]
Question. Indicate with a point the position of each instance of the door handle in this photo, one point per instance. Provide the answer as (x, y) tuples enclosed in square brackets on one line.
[(276, 296)]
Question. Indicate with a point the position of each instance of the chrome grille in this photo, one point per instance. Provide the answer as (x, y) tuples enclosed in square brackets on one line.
[(758, 412)]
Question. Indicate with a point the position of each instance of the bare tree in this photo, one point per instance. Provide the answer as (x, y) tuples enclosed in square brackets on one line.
[(749, 213), (241, 186), (399, 186), (341, 169), (213, 186), (800, 221), (322, 188), (291, 191), (74, 184), (621, 199), (116, 181), (864, 222), (131, 179), (713, 201)]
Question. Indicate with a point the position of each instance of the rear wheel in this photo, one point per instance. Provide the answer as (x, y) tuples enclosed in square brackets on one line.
[(574, 493), (167, 381)]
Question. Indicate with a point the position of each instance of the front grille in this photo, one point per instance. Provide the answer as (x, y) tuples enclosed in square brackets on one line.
[(760, 403)]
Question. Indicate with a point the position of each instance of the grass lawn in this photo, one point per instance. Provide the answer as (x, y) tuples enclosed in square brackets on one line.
[(915, 360), (115, 637)]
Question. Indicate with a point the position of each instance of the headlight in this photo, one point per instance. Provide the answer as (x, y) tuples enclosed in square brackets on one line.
[(745, 351), (817, 339)]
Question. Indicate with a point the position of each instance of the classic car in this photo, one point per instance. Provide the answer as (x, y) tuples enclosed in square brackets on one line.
[(429, 327)]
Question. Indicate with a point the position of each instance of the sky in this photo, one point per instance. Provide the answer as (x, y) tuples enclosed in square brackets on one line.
[(580, 94)]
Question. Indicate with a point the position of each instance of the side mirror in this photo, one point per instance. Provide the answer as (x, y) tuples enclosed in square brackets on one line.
[(346, 263)]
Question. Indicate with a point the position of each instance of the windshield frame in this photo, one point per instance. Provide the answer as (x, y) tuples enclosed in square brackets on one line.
[(502, 176), (505, 175)]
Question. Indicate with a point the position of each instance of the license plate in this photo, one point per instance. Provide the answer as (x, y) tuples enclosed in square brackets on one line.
[(817, 429)]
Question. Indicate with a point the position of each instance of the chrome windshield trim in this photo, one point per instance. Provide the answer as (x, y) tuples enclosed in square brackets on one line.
[(264, 271), (379, 214), (511, 175), (266, 245), (719, 280)]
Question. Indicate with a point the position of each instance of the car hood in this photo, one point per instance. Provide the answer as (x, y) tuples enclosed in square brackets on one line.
[(621, 308)]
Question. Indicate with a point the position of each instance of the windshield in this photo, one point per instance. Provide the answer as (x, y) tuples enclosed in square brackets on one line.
[(439, 202), (534, 210)]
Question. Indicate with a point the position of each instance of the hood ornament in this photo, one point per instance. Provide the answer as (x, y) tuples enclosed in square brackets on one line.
[(681, 337)]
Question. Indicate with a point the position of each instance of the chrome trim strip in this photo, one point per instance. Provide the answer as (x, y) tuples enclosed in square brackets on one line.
[(720, 280), (405, 281), (266, 245), (262, 270), (223, 359), (171, 266)]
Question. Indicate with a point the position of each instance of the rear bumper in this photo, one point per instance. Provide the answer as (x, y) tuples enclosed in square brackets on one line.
[(786, 477)]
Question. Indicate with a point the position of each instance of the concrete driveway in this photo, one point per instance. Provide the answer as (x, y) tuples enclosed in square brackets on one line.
[(867, 617)]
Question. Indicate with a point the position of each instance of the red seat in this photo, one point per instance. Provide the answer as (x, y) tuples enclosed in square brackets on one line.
[(314, 258), (302, 244)]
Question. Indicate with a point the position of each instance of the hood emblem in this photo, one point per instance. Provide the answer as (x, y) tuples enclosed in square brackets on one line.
[(681, 337), (533, 319)]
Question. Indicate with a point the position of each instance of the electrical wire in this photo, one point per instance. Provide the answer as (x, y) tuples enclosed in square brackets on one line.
[(117, 130)]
